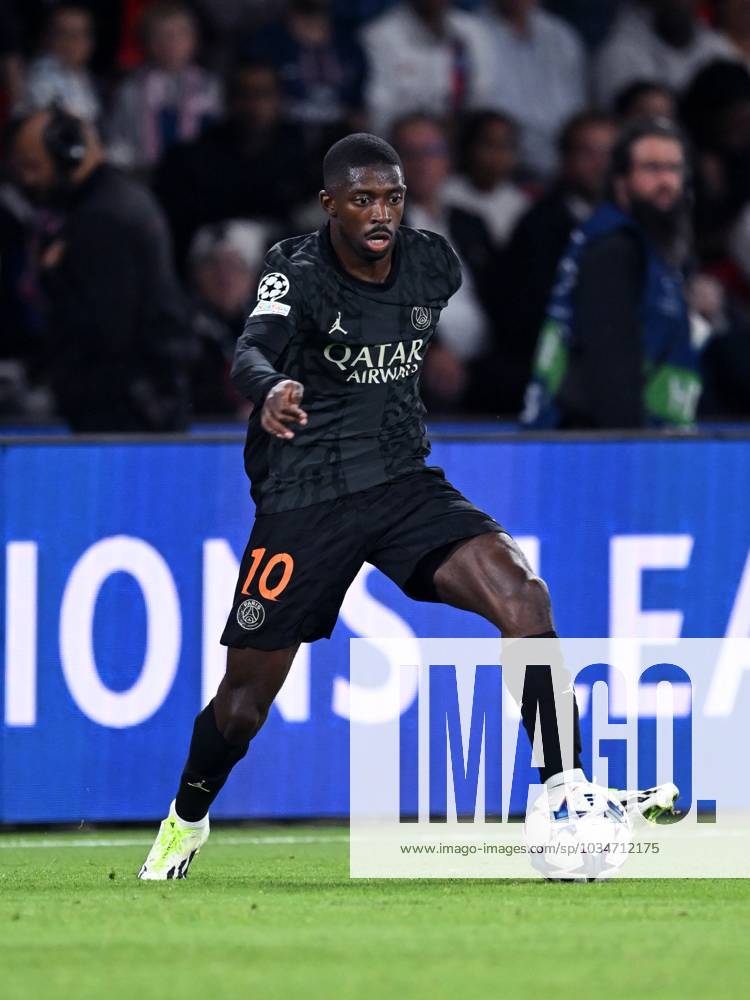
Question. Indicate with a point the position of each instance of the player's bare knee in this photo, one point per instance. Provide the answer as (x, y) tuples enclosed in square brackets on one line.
[(244, 720), (526, 606)]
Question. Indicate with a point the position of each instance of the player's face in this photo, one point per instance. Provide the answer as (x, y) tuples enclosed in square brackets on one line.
[(657, 174), (368, 209)]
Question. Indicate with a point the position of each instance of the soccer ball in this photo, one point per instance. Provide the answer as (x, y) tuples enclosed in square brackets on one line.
[(577, 833)]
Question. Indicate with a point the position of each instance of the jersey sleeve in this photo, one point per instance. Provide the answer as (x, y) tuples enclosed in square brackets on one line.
[(269, 328), (453, 269), (450, 266)]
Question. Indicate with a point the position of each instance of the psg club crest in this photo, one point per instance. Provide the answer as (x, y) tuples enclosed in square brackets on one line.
[(421, 317), (250, 615), (273, 286)]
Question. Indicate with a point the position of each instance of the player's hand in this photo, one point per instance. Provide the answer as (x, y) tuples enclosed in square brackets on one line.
[(281, 407)]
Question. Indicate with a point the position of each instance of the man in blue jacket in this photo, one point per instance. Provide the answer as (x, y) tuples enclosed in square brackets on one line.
[(615, 350)]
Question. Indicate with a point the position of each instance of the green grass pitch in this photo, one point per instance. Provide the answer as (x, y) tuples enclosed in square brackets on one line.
[(270, 912)]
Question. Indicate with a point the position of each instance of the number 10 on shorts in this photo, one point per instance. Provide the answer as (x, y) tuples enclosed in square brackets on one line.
[(270, 590)]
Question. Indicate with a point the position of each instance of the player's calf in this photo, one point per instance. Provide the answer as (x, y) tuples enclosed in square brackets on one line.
[(221, 736)]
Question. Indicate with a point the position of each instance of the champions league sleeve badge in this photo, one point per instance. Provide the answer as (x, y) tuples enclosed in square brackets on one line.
[(272, 287)]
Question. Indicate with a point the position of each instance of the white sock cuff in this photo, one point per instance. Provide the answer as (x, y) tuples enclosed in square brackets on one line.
[(196, 825), (570, 777)]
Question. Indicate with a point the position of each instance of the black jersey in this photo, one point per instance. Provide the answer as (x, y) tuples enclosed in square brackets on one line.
[(357, 348)]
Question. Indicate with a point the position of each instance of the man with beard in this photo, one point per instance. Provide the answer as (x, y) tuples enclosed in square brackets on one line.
[(615, 349), (117, 322)]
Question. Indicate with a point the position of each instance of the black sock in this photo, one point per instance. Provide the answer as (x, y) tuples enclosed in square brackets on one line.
[(210, 760), (539, 701)]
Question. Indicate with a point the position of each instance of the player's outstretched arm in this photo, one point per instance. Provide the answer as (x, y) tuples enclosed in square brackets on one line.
[(282, 407)]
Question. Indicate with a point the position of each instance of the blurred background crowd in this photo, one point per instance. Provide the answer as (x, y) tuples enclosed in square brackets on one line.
[(132, 234)]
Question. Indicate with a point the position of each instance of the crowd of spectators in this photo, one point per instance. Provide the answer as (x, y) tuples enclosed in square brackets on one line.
[(202, 125)]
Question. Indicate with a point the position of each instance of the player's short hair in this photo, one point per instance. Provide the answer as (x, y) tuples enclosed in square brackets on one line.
[(360, 149)]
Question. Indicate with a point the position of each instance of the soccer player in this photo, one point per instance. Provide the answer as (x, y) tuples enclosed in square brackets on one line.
[(336, 446)]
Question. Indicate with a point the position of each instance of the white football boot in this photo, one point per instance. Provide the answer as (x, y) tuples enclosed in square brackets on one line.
[(174, 848), (653, 804)]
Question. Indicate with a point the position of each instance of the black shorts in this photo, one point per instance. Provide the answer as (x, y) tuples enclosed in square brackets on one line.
[(299, 564)]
